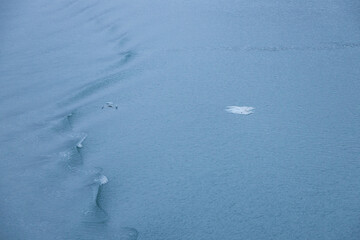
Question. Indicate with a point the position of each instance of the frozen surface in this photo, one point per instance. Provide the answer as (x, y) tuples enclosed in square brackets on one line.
[(132, 94)]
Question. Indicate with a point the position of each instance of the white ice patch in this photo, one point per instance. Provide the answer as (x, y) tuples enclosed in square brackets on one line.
[(244, 110), (102, 180)]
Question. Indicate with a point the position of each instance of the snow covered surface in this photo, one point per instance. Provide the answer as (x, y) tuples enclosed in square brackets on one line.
[(177, 165)]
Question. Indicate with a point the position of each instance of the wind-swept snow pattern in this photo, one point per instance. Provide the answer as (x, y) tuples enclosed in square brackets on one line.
[(53, 191), (117, 120)]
